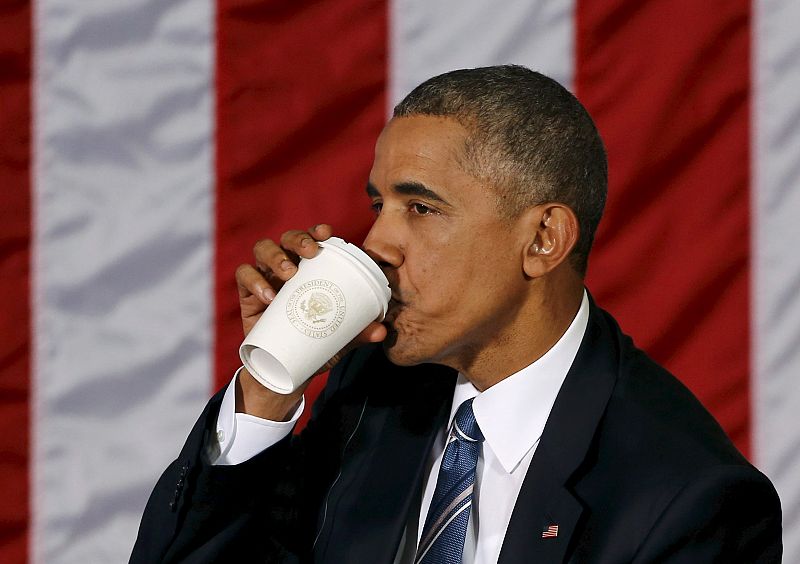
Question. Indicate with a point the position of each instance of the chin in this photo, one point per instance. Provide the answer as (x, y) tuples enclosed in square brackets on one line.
[(398, 357), (400, 351)]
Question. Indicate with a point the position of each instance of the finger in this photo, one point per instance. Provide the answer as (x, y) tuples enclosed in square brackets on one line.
[(321, 231), (271, 257), (250, 282), (300, 243)]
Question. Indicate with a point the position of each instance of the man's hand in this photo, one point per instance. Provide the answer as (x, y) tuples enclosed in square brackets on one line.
[(257, 285)]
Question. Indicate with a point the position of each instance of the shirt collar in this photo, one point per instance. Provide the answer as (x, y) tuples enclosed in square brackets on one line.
[(512, 413)]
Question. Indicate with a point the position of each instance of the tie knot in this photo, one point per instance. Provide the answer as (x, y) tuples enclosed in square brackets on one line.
[(465, 426)]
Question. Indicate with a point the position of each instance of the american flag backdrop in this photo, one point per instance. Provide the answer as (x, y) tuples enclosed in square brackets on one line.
[(145, 145)]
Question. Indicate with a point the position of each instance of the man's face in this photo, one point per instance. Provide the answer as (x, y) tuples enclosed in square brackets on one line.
[(454, 264)]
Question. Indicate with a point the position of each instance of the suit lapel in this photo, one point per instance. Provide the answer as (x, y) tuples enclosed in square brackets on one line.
[(383, 474), (545, 499)]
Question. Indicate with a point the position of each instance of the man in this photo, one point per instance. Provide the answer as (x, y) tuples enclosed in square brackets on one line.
[(503, 417)]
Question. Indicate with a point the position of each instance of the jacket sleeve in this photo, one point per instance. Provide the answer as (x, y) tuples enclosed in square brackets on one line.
[(730, 514), (264, 509)]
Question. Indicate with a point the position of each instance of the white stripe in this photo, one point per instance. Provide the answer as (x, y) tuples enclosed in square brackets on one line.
[(776, 263), (462, 434), (441, 530), (122, 291), (435, 527), (428, 38)]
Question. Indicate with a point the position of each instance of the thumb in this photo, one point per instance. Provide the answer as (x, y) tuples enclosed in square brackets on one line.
[(373, 333)]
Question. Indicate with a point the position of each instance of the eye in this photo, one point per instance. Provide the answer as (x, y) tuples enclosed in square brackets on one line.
[(421, 209), (376, 207)]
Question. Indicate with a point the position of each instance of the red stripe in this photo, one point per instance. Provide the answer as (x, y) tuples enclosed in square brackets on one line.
[(300, 102), (668, 83), (15, 241)]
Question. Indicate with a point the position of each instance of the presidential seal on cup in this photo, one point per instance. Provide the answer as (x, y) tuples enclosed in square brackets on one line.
[(330, 299)]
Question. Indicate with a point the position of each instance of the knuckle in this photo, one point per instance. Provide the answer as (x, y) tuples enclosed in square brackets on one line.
[(262, 246), (269, 254), (290, 237)]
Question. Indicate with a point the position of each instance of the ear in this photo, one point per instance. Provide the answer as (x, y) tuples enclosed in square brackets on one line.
[(552, 233)]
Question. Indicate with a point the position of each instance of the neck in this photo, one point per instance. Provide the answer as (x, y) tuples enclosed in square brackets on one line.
[(541, 320)]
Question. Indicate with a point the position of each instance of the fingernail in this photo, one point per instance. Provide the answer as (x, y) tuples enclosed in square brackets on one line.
[(287, 265), (269, 294), (305, 242)]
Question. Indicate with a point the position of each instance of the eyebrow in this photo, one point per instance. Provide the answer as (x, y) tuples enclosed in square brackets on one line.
[(409, 189)]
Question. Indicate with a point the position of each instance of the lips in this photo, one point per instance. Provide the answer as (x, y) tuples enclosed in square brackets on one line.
[(395, 306)]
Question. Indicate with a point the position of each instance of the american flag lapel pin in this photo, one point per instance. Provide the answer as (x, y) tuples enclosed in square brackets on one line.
[(550, 532)]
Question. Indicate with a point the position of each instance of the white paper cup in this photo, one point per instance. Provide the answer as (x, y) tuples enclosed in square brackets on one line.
[(330, 299)]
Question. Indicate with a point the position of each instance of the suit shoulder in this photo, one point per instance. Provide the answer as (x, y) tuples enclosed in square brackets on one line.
[(653, 417)]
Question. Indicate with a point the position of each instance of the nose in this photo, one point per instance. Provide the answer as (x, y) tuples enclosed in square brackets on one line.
[(383, 245)]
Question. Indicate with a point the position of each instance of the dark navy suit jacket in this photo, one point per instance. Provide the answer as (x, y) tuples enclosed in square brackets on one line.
[(630, 467)]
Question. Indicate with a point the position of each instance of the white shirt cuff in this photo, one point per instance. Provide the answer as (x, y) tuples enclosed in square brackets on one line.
[(240, 436)]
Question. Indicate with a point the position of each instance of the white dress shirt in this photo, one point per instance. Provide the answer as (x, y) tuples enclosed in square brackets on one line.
[(511, 415), (241, 436)]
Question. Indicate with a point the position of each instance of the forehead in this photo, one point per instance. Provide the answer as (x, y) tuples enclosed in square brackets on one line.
[(425, 149)]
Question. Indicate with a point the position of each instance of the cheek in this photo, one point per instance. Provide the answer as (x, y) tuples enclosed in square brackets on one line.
[(462, 293), (437, 310), (439, 283)]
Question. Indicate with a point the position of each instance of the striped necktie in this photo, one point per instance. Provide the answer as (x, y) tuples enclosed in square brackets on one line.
[(448, 516)]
